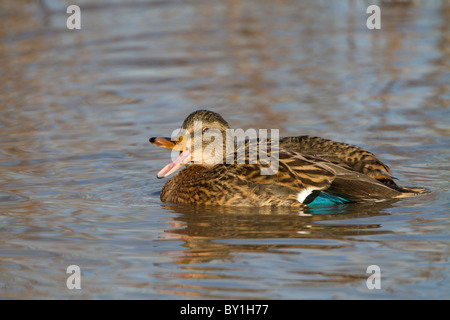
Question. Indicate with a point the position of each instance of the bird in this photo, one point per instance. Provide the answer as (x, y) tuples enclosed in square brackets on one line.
[(306, 170)]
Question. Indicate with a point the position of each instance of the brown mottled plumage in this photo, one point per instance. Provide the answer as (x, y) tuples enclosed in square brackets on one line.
[(355, 157), (308, 167)]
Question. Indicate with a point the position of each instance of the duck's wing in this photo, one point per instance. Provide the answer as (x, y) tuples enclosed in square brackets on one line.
[(302, 178), (355, 186), (339, 180), (358, 159)]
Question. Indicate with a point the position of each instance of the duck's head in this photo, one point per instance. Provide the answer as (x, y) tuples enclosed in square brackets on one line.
[(198, 131)]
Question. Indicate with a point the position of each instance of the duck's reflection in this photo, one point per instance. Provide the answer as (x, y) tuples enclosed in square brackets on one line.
[(221, 233)]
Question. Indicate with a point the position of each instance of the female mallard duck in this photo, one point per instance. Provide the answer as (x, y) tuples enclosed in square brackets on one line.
[(310, 170)]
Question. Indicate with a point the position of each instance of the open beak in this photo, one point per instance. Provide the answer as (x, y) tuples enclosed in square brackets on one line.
[(183, 158)]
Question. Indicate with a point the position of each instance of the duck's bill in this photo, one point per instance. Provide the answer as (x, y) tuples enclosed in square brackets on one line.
[(164, 142), (180, 161), (183, 158)]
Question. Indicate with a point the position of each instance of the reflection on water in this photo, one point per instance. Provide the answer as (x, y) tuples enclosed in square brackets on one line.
[(210, 233), (215, 240), (78, 176)]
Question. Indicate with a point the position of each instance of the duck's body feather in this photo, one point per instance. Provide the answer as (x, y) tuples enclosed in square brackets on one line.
[(309, 168), (299, 180)]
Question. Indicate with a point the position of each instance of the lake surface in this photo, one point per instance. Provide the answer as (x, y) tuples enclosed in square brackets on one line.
[(78, 177)]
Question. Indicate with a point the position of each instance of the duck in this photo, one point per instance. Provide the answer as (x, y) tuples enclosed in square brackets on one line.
[(295, 171)]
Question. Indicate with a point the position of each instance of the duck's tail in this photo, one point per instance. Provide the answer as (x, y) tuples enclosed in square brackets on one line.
[(342, 197), (354, 186), (406, 192)]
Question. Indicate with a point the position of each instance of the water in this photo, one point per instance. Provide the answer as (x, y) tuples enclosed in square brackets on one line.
[(78, 176)]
